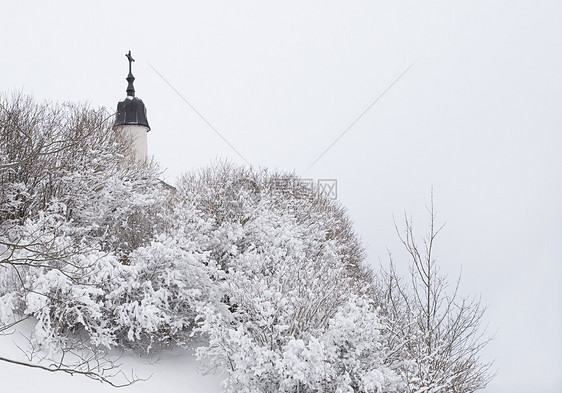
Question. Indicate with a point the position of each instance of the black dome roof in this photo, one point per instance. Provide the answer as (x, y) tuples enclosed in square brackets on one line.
[(131, 111)]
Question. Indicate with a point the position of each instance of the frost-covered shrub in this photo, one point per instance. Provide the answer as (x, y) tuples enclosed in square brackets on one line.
[(233, 196), (64, 308), (149, 302), (157, 303), (347, 355), (52, 151), (291, 274)]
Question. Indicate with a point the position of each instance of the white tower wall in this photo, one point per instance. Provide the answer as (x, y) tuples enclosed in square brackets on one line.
[(137, 135)]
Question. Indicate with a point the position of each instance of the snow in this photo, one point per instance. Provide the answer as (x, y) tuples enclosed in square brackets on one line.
[(169, 371)]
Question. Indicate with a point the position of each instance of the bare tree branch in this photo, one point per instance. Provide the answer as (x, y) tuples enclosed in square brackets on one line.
[(439, 330)]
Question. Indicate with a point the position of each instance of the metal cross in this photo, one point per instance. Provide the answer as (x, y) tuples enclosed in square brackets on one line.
[(128, 55)]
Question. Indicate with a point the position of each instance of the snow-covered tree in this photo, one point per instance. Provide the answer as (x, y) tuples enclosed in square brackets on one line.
[(436, 335), (295, 315)]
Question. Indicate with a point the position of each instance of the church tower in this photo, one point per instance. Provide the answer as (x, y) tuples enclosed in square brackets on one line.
[(130, 120)]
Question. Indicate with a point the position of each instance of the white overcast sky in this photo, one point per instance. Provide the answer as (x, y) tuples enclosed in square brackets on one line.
[(478, 118)]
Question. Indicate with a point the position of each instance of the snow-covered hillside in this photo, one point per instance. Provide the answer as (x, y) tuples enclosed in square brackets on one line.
[(170, 371)]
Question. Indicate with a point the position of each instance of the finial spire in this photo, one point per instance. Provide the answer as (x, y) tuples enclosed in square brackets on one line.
[(130, 77)]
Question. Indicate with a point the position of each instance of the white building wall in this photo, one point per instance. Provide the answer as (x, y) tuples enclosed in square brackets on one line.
[(137, 135)]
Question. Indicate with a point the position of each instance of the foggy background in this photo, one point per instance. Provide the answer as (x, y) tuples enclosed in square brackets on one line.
[(477, 118)]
